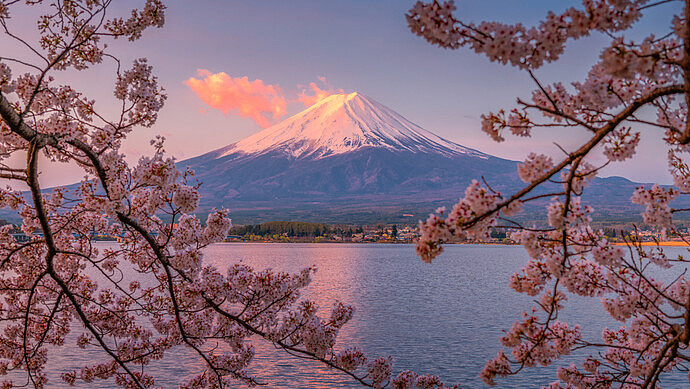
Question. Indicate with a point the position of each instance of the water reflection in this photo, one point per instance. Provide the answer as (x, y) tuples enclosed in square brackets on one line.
[(445, 319), (338, 271)]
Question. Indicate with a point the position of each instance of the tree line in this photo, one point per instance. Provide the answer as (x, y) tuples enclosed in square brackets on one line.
[(293, 229)]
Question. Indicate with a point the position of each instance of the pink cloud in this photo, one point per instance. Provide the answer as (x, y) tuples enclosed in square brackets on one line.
[(263, 103), (318, 93)]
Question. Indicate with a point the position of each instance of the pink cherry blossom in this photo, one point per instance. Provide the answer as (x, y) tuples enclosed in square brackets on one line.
[(567, 255)]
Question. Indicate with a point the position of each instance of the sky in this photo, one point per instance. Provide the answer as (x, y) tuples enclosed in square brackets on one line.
[(231, 68)]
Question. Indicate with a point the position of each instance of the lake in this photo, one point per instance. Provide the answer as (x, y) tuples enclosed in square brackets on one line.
[(445, 318)]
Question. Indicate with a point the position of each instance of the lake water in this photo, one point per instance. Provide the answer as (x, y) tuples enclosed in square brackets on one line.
[(445, 319)]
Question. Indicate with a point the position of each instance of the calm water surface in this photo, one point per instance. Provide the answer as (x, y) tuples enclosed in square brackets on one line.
[(444, 319)]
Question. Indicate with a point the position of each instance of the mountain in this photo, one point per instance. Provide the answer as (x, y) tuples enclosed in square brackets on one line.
[(351, 159), (340, 124)]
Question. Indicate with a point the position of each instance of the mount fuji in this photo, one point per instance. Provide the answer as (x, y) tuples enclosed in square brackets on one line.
[(351, 159), (344, 123)]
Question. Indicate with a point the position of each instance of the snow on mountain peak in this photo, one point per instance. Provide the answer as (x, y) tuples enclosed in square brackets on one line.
[(342, 123)]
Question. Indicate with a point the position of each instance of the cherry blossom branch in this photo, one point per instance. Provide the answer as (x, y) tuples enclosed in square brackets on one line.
[(583, 150), (32, 173)]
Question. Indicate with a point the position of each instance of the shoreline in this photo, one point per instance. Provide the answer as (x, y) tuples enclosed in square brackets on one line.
[(669, 243)]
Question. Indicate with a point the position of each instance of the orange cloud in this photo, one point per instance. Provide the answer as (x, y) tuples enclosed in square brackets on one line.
[(318, 93), (263, 103)]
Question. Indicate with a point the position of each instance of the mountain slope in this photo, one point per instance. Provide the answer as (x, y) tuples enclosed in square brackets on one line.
[(340, 124)]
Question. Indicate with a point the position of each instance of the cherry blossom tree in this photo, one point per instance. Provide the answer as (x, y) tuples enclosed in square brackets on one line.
[(567, 256), (59, 283)]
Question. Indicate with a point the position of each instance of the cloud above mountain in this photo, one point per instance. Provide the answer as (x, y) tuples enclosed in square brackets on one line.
[(262, 102)]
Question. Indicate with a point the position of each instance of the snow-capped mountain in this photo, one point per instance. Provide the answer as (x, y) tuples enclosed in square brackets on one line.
[(344, 123), (349, 159)]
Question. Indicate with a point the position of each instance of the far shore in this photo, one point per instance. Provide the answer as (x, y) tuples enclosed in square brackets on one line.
[(664, 243)]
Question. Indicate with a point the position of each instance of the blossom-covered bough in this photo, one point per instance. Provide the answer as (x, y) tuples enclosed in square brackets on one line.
[(137, 300), (568, 256)]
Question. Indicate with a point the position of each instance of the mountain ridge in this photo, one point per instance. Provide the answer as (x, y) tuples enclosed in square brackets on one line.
[(308, 168)]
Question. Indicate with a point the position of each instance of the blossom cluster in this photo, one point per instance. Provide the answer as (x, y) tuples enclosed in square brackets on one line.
[(680, 171), (140, 88), (583, 175), (151, 15), (534, 167), (516, 44), (6, 84), (622, 145), (410, 380), (438, 229), (656, 201), (517, 121)]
